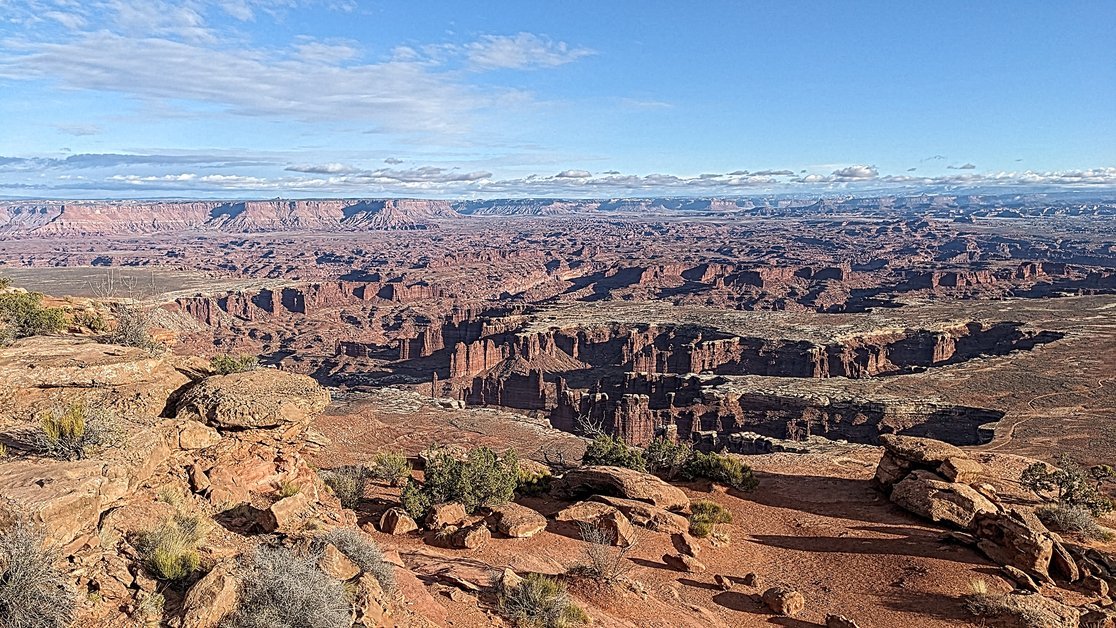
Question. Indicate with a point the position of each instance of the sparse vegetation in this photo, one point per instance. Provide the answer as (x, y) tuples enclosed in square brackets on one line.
[(288, 489), (33, 593), (668, 458), (280, 589), (229, 364), (89, 319), (982, 603), (133, 329), (5, 283), (540, 602), (170, 551), (22, 314), (612, 451), (73, 432), (364, 553), (482, 479), (531, 482), (720, 468), (1073, 519), (391, 467), (603, 560), (1068, 484), (706, 516), (348, 483)]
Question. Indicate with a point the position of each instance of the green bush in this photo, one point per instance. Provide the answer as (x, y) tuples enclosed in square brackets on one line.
[(33, 592), (531, 483), (720, 468), (91, 320), (611, 451), (348, 483), (23, 314), (228, 364), (171, 550), (668, 458), (1068, 483), (482, 479), (540, 602), (73, 432), (706, 516), (280, 589), (414, 500), (391, 467)]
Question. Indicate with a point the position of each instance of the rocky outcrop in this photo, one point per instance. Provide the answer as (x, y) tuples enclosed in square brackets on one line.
[(257, 399), (517, 521), (620, 482)]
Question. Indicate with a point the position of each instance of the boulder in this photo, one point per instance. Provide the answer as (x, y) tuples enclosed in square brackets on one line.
[(621, 482), (284, 515), (963, 470), (258, 399), (1017, 539), (920, 452), (1094, 585), (617, 526), (682, 562), (685, 544), (839, 621), (784, 601), (1062, 563), (516, 521), (584, 512), (447, 514), (211, 598), (890, 471), (471, 537), (928, 495), (646, 515), (1022, 580), (722, 582), (197, 435), (605, 517), (371, 602), (396, 521), (336, 564)]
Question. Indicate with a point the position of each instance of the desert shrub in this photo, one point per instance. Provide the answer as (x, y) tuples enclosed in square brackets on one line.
[(33, 593), (170, 551), (1068, 484), (133, 329), (89, 319), (391, 467), (720, 468), (612, 451), (280, 589), (482, 479), (23, 314), (603, 559), (3, 451), (532, 482), (5, 283), (706, 516), (73, 432), (1016, 610), (288, 489), (414, 500), (348, 483), (364, 553), (540, 602), (228, 364), (1073, 519), (668, 458)]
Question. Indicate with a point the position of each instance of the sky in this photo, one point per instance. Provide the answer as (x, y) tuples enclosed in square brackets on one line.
[(577, 99)]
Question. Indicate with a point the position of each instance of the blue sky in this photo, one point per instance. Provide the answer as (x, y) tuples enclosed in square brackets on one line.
[(294, 98)]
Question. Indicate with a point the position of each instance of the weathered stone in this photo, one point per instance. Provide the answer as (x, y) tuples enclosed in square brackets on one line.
[(750, 580), (618, 527), (211, 598), (442, 515), (1095, 585), (890, 471), (1022, 580), (963, 470), (646, 515), (685, 544), (283, 515), (928, 495), (920, 451), (197, 435), (839, 621), (597, 480), (584, 512), (1063, 564), (517, 521), (199, 481), (471, 537), (1017, 539), (336, 564), (784, 601), (396, 521), (261, 398), (682, 562), (371, 602), (723, 582)]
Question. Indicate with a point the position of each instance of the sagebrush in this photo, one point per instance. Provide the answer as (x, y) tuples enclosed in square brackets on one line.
[(33, 592), (73, 432), (348, 483), (706, 516), (612, 451), (170, 551), (720, 468), (540, 602), (280, 589), (391, 467), (228, 364)]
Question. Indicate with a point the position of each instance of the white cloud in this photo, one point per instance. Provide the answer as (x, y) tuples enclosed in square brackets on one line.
[(574, 174), (521, 51), (856, 173)]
